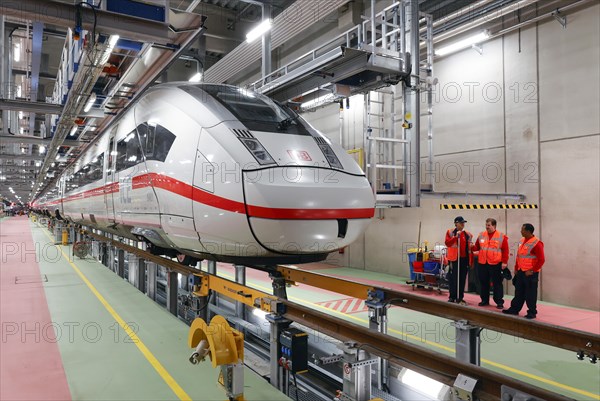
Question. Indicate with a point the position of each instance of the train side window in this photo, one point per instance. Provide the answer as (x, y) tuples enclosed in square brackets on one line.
[(146, 134), (89, 173), (96, 168), (129, 152), (157, 141)]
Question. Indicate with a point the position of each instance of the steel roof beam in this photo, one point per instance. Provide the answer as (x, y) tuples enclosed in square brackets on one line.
[(32, 107), (34, 140), (21, 157), (284, 29), (63, 14)]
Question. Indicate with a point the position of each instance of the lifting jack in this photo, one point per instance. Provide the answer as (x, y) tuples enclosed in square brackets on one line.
[(225, 347)]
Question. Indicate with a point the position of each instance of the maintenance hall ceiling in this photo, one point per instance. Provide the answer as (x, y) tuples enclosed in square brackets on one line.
[(33, 74)]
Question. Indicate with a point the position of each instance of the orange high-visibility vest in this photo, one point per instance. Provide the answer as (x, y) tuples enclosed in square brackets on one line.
[(490, 249), (525, 260), (452, 251)]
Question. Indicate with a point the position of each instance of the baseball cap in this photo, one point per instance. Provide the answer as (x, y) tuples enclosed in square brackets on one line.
[(506, 274), (460, 219)]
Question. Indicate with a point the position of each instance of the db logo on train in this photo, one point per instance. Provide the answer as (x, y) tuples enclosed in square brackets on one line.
[(299, 155)]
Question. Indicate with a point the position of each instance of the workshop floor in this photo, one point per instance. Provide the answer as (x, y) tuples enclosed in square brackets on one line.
[(541, 365), (64, 338)]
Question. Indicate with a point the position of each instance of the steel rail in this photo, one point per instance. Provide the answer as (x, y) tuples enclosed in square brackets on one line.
[(556, 336), (561, 337), (440, 367)]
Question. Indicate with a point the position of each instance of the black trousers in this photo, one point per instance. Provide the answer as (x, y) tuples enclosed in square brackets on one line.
[(453, 277), (493, 273), (526, 288)]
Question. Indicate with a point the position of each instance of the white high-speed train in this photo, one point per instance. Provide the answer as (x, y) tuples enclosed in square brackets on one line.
[(217, 172)]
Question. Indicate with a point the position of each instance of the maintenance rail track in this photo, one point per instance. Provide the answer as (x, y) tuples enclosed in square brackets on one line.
[(433, 364)]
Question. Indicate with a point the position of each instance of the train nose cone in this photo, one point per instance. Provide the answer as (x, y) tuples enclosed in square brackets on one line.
[(299, 209)]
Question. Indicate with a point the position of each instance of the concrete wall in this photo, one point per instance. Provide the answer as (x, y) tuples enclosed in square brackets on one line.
[(520, 118)]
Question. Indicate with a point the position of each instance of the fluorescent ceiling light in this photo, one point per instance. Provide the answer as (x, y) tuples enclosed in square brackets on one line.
[(258, 31), (113, 41), (463, 44), (74, 130), (90, 102), (197, 77), (17, 52), (42, 149), (319, 101)]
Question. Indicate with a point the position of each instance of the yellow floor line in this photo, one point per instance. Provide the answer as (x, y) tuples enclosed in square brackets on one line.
[(160, 369), (443, 347)]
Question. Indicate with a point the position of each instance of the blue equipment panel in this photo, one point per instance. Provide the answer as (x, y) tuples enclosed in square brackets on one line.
[(136, 9)]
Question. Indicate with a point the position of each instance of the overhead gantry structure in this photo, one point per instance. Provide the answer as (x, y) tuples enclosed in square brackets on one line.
[(108, 60)]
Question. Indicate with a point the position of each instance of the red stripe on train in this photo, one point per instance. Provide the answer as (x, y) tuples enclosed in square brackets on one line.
[(188, 191)]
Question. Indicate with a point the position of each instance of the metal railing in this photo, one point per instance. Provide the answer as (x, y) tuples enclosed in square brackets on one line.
[(386, 45)]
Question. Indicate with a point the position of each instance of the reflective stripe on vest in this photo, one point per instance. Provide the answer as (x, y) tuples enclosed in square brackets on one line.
[(490, 249), (525, 260), (452, 251)]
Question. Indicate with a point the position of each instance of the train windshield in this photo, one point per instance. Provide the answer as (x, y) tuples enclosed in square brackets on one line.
[(256, 111)]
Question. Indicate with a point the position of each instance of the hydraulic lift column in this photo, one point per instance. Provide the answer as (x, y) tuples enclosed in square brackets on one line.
[(172, 291), (378, 322), (277, 376)]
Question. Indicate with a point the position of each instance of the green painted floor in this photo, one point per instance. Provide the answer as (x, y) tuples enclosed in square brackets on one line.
[(102, 364), (100, 359), (541, 365)]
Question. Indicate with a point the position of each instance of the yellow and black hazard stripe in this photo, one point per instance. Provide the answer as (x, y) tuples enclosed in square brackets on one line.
[(470, 206)]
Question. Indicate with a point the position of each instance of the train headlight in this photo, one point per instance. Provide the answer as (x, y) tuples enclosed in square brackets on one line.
[(258, 151), (330, 156)]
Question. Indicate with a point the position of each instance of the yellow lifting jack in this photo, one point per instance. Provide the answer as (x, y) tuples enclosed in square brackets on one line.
[(65, 237), (225, 348)]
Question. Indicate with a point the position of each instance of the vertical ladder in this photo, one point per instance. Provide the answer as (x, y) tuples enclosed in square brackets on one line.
[(426, 69), (382, 147)]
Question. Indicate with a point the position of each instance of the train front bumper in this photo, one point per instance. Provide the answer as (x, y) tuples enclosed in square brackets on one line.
[(299, 209)]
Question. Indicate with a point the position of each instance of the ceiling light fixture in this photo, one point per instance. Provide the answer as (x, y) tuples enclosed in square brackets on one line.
[(463, 44), (17, 52), (257, 32), (197, 77), (112, 41), (90, 102), (319, 101)]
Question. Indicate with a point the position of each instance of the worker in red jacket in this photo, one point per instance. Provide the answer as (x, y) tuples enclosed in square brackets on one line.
[(530, 259), (460, 259), (491, 248)]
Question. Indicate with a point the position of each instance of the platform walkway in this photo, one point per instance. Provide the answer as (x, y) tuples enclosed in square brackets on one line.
[(30, 362)]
